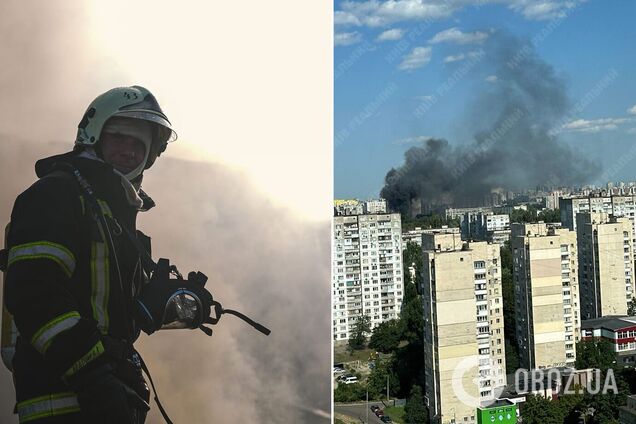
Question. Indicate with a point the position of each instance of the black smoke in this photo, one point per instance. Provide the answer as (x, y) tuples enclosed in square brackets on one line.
[(515, 146)]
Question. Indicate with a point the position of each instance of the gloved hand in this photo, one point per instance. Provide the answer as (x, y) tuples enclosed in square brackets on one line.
[(104, 399), (190, 309)]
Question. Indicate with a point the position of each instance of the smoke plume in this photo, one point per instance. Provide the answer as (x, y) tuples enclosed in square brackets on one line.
[(514, 145)]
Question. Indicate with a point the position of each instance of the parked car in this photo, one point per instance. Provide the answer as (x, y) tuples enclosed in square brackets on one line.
[(337, 370), (350, 380), (385, 419), (374, 408), (379, 412)]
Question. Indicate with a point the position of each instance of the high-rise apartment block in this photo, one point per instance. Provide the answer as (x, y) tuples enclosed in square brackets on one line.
[(367, 270), (606, 264), (548, 320), (463, 325), (618, 206)]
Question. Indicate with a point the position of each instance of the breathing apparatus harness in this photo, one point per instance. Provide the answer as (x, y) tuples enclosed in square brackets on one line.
[(167, 301)]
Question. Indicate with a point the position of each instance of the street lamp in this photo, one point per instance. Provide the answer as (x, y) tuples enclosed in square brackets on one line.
[(367, 402)]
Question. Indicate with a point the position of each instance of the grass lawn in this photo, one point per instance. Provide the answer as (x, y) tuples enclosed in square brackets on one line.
[(396, 413), (357, 355)]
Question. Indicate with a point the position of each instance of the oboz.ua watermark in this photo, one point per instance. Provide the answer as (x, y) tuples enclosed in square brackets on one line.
[(475, 381), (567, 382)]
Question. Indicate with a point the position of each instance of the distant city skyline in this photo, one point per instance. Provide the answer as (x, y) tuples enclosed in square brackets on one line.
[(404, 74)]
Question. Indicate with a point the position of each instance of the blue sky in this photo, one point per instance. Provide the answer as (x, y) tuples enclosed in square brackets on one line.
[(396, 67)]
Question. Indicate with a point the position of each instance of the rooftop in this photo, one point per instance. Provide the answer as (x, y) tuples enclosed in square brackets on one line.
[(610, 322)]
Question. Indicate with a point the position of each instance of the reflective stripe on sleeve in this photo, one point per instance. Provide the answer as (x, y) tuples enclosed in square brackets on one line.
[(47, 406), (100, 284), (90, 356), (44, 250), (45, 335)]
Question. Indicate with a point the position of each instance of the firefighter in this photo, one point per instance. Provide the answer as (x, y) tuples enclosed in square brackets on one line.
[(74, 274)]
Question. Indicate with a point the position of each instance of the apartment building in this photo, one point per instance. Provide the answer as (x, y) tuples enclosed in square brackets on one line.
[(367, 270), (375, 206), (616, 205), (463, 325), (606, 264), (547, 311)]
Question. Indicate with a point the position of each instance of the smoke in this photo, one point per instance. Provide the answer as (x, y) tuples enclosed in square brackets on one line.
[(514, 146), (260, 260)]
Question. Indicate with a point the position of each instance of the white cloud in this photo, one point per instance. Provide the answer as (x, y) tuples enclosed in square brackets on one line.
[(379, 13), (391, 35), (543, 10), (454, 35), (454, 58), (347, 38), (492, 78), (376, 13), (595, 125), (345, 18), (632, 110), (419, 57), (412, 140)]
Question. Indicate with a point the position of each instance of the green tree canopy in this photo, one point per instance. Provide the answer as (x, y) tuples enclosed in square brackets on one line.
[(361, 328), (386, 336), (549, 215), (378, 378), (596, 353), (349, 392), (414, 410), (539, 410), (631, 307)]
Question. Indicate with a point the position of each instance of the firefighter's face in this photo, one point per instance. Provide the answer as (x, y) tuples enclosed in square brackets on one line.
[(123, 152)]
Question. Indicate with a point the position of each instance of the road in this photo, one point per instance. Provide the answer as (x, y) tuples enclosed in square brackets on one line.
[(359, 411)]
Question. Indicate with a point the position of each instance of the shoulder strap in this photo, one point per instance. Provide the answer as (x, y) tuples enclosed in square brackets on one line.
[(68, 170)]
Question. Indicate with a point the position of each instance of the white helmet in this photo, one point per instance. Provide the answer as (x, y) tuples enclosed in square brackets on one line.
[(127, 102)]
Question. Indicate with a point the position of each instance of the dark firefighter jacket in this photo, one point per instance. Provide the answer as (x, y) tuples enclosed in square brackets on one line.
[(63, 284)]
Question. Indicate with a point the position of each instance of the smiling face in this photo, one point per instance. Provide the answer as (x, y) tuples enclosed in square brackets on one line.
[(124, 144), (123, 152)]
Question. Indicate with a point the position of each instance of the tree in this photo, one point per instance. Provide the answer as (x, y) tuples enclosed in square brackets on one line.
[(520, 215), (539, 410), (414, 410), (349, 392), (386, 336), (596, 353), (412, 255), (631, 307), (376, 382), (362, 327), (508, 295), (604, 404), (412, 316), (549, 215)]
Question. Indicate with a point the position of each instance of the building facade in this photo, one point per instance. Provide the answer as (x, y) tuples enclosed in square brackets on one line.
[(547, 311), (463, 325), (367, 270), (620, 331), (616, 205), (606, 264)]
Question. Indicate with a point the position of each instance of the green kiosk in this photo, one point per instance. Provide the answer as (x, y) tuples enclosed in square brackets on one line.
[(500, 412)]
